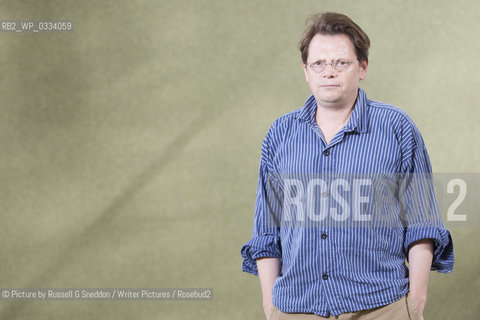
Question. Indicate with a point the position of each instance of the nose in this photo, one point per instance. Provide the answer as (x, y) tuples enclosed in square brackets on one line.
[(329, 71)]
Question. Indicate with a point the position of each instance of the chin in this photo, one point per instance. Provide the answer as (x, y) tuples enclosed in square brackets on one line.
[(328, 99)]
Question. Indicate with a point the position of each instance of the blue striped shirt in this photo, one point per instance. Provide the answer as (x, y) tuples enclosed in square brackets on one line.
[(341, 216)]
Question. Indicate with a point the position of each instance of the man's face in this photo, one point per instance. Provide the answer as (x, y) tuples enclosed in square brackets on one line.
[(333, 88)]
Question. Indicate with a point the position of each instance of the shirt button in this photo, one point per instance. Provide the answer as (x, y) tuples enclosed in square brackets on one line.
[(324, 194), (325, 276), (326, 152), (324, 236)]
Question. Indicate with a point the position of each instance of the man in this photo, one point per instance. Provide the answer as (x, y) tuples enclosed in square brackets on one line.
[(350, 265)]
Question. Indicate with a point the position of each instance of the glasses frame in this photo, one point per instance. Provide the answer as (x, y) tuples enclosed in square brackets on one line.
[(334, 64)]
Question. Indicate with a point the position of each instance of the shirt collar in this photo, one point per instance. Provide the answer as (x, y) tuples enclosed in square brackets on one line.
[(358, 120)]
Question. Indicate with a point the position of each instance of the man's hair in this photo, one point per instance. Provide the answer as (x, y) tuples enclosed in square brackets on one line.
[(331, 23)]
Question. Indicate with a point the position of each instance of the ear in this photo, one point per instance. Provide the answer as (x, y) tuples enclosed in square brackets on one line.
[(363, 69), (304, 66)]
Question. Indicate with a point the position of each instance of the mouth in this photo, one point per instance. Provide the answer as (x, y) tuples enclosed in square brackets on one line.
[(329, 86)]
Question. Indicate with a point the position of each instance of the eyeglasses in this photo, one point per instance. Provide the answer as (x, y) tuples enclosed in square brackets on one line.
[(339, 65)]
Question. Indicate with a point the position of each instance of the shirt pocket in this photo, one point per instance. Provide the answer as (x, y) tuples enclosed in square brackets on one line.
[(301, 254)]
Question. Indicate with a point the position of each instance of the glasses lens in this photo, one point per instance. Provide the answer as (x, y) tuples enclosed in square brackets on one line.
[(318, 66), (342, 65)]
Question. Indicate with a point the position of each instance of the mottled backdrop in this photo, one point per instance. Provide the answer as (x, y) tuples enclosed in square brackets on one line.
[(130, 146)]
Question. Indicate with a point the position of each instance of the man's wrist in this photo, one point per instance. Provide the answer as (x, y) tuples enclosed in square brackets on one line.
[(267, 302), (420, 301), (267, 306)]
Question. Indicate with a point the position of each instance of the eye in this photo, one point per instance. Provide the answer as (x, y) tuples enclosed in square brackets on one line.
[(319, 63), (343, 63)]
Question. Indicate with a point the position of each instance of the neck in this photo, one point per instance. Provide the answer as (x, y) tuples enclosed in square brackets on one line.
[(333, 116)]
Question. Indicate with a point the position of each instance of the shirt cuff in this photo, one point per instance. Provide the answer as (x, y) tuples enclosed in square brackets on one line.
[(443, 245), (263, 246)]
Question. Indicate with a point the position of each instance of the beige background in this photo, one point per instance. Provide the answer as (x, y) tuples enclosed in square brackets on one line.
[(130, 146)]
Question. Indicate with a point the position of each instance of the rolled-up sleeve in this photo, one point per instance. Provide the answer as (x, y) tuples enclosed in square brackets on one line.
[(421, 215), (266, 245), (443, 245), (265, 241)]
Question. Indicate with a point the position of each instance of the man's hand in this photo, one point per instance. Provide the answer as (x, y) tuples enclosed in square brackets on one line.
[(268, 271), (420, 258)]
